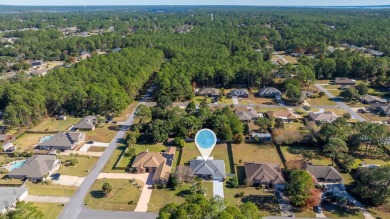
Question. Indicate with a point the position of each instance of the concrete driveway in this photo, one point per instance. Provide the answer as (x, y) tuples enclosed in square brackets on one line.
[(66, 180), (218, 188), (235, 100), (143, 202)]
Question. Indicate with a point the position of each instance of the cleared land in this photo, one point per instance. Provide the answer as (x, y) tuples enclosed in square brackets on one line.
[(321, 101), (52, 124), (125, 113), (50, 189), (82, 168), (27, 141), (105, 134), (309, 154), (110, 166), (50, 210), (123, 197), (96, 149)]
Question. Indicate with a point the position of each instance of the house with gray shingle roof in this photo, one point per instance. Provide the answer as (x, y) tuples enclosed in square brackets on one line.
[(267, 174), (344, 81), (369, 99), (323, 117), (270, 92), (36, 168), (87, 123), (9, 196), (247, 115), (211, 92), (210, 169), (63, 141), (239, 93), (325, 174)]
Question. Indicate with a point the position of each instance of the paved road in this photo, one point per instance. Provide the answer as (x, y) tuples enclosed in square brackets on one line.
[(218, 188), (75, 206), (340, 103), (96, 214)]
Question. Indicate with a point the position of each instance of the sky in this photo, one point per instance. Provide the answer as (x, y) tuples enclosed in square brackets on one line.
[(200, 2)]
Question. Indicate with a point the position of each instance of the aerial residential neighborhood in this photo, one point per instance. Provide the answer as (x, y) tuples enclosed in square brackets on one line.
[(217, 112)]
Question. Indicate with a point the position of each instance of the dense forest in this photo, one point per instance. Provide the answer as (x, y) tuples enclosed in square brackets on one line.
[(223, 47)]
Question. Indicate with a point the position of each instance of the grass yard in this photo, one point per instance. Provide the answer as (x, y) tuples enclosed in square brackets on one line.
[(6, 181), (323, 81), (310, 154), (49, 210), (332, 87), (122, 193), (52, 124), (373, 117), (82, 168), (260, 100), (125, 161), (50, 189), (304, 213), (198, 99), (377, 213), (110, 166), (343, 215), (296, 126), (96, 149), (105, 134), (27, 141), (220, 152), (126, 113), (266, 109), (358, 162), (265, 200), (226, 100), (161, 197), (323, 101), (336, 93)]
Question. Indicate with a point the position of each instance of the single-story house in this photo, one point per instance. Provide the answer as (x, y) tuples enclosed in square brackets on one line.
[(87, 123), (37, 64), (239, 93), (63, 141), (4, 139), (346, 86), (36, 168), (211, 169), (381, 108), (267, 174), (263, 137), (344, 81), (247, 115), (325, 174), (285, 115), (85, 55), (322, 117), (9, 147), (210, 92), (270, 92), (369, 99), (154, 162), (10, 196)]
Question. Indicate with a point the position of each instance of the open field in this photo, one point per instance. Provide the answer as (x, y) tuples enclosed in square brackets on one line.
[(123, 192), (27, 141), (323, 101), (82, 168), (125, 113), (96, 149), (335, 92), (304, 213), (49, 210), (109, 168), (264, 110), (265, 200), (373, 117), (343, 215), (105, 134), (50, 189), (51, 124), (309, 154), (261, 100), (161, 197), (296, 126)]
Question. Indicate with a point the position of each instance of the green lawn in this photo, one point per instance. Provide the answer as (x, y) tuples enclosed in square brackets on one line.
[(323, 101), (220, 152), (27, 141), (310, 154), (122, 193), (125, 161), (51, 124), (265, 200), (5, 181), (82, 168), (50, 190), (343, 215), (50, 210), (104, 134), (358, 162), (161, 197), (304, 213), (110, 166), (335, 92)]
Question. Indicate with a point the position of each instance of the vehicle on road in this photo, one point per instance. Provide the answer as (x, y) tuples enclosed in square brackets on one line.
[(318, 209)]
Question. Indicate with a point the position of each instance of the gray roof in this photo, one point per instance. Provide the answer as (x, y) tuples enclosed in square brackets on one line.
[(87, 122), (372, 99), (117, 49), (269, 91), (261, 135), (325, 172), (245, 91), (62, 139), (37, 166), (215, 168), (343, 80), (9, 195), (209, 91), (247, 115), (323, 117)]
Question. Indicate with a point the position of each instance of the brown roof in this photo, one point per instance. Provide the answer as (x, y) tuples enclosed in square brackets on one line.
[(323, 117), (161, 161), (281, 114), (343, 80), (264, 172), (324, 172)]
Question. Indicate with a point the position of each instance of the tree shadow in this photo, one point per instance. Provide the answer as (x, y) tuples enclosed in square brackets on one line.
[(97, 194), (183, 193), (265, 203)]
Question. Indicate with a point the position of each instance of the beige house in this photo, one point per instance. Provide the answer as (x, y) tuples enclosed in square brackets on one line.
[(266, 174), (154, 162)]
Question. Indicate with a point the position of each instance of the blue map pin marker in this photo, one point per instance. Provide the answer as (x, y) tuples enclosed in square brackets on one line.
[(205, 141)]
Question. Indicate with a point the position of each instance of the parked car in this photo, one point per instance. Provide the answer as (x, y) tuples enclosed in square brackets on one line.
[(342, 186), (317, 209)]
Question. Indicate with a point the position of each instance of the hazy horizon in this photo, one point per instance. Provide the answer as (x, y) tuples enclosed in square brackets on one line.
[(195, 2)]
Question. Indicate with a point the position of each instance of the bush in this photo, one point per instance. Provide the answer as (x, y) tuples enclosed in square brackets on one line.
[(232, 182), (321, 94), (307, 108)]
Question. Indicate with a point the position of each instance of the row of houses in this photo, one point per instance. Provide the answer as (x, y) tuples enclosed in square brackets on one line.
[(269, 92)]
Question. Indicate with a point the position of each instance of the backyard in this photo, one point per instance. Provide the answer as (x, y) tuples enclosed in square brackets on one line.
[(52, 124), (123, 197), (27, 141), (49, 210), (82, 168), (50, 189), (104, 134)]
